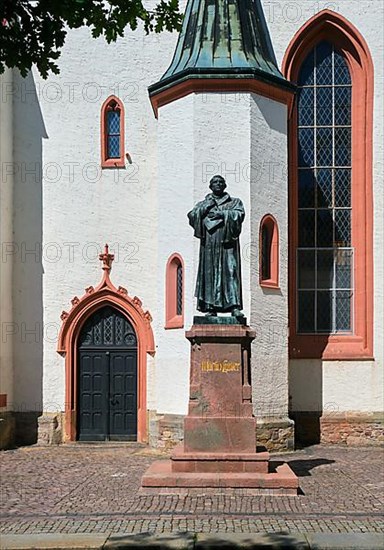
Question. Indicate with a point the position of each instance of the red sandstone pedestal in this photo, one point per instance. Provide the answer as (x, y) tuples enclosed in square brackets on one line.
[(219, 448)]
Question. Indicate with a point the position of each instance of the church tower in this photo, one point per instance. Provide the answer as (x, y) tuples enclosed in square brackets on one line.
[(222, 108)]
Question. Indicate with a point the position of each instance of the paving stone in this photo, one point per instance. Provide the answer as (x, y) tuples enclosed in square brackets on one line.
[(95, 489)]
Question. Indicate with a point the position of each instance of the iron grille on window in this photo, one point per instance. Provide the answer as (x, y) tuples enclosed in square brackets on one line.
[(113, 132), (324, 254), (107, 327), (266, 243), (179, 289)]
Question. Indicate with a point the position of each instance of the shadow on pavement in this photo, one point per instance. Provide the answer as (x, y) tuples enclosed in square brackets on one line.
[(302, 468), (205, 541)]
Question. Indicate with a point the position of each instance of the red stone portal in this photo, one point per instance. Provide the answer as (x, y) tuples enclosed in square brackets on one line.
[(219, 448)]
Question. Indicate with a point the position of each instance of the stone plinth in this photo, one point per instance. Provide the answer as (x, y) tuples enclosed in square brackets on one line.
[(183, 461), (219, 448), (220, 410)]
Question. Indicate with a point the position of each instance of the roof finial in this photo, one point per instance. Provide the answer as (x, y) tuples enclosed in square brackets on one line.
[(107, 259)]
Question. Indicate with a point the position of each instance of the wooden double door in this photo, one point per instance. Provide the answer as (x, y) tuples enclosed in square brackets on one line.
[(107, 383)]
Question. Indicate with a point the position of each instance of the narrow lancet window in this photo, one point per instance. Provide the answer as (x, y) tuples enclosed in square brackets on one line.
[(179, 290), (269, 252), (174, 299), (112, 133)]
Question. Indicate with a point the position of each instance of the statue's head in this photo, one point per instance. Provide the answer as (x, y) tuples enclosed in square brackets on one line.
[(217, 185)]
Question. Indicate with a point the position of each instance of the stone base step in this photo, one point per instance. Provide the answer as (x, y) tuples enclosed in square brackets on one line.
[(281, 482), (184, 461)]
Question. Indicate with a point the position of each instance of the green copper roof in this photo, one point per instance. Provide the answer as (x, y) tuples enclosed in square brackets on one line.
[(223, 39)]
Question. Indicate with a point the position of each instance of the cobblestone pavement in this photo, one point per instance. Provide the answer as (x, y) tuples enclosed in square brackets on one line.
[(95, 489)]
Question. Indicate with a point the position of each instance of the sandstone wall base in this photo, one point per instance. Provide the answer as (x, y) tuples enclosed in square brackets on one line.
[(7, 430), (50, 429), (348, 428), (277, 434), (165, 430), (26, 427), (353, 428)]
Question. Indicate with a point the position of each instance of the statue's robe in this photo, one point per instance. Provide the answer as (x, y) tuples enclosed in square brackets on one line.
[(218, 286)]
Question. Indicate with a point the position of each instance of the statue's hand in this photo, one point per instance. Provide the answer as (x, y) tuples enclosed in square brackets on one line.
[(216, 215)]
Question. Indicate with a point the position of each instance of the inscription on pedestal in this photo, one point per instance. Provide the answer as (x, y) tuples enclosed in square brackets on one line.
[(220, 366)]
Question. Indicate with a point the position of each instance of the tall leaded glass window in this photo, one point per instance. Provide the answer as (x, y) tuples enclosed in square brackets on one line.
[(324, 253)]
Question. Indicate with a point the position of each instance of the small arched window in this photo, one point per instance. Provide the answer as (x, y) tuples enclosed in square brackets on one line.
[(112, 133), (269, 252), (174, 292)]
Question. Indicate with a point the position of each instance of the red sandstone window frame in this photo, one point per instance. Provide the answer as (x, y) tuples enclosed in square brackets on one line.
[(270, 224), (172, 318), (108, 162), (335, 29)]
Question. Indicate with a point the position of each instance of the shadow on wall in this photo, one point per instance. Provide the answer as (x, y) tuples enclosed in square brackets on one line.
[(306, 375), (28, 335), (273, 112), (306, 399)]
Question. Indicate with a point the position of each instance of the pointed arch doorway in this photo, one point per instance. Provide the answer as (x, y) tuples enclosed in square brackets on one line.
[(105, 338), (107, 378)]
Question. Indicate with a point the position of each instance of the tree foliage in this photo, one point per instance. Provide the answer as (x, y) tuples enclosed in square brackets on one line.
[(33, 32)]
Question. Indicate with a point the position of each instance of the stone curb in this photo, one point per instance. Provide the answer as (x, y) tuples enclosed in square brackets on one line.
[(199, 541), (57, 541)]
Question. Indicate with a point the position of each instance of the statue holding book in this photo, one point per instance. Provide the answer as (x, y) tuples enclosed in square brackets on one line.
[(217, 222)]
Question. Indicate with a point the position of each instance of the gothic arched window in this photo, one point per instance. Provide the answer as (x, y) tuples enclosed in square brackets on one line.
[(112, 133), (330, 194), (174, 292)]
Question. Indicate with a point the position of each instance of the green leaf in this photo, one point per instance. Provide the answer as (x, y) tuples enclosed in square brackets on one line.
[(36, 31)]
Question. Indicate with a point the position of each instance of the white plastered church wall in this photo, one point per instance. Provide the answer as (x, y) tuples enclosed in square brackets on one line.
[(269, 309), (29, 133), (86, 206), (7, 240), (222, 146), (175, 199)]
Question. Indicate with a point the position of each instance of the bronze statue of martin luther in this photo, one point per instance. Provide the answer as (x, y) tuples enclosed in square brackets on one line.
[(217, 222)]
